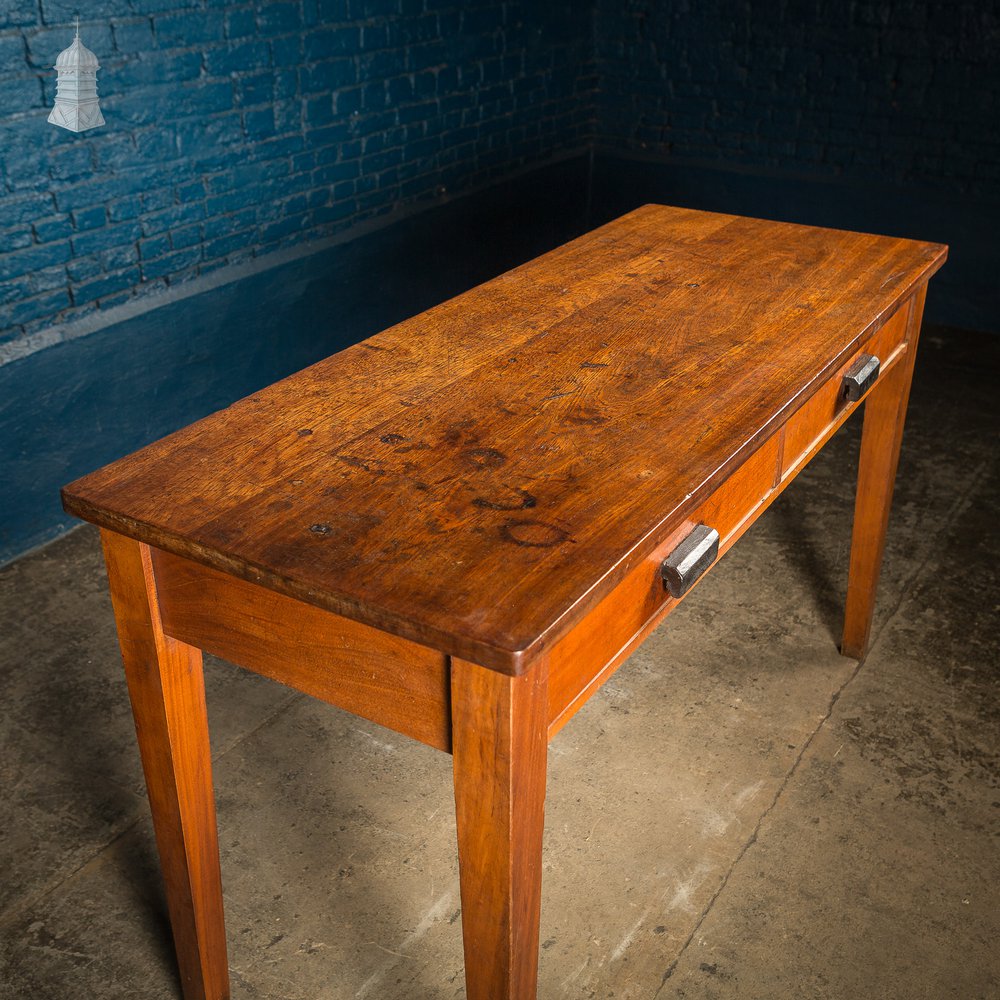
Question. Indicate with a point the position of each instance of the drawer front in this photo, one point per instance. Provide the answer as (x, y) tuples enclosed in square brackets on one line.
[(810, 424), (584, 658)]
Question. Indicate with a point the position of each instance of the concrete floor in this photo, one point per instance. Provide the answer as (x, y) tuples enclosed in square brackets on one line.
[(740, 812)]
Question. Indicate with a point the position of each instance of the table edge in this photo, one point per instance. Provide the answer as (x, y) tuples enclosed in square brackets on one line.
[(514, 658)]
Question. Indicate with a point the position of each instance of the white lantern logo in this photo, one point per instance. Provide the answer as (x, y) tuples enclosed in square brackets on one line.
[(76, 106)]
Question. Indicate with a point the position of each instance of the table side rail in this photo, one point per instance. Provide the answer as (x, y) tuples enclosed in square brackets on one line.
[(589, 654), (389, 680)]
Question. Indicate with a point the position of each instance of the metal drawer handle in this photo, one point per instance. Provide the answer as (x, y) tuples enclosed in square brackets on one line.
[(689, 560), (860, 377)]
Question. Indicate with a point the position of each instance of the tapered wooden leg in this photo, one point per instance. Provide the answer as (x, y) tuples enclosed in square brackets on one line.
[(885, 412), (167, 690), (500, 744)]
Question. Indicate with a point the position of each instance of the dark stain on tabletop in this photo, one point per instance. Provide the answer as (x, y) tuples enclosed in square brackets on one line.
[(419, 446), (372, 465), (484, 458), (533, 534), (518, 500)]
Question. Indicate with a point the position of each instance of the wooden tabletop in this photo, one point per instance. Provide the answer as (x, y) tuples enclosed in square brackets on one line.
[(478, 477)]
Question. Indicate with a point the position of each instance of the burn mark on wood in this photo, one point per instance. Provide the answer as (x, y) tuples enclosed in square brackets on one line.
[(533, 534), (392, 438), (484, 458), (519, 500), (305, 432)]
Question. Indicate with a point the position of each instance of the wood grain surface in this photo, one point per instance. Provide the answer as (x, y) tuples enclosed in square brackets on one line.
[(500, 754), (581, 661), (881, 439), (371, 673), (167, 689), (479, 477)]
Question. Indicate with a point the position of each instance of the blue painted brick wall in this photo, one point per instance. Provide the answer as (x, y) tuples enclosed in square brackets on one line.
[(237, 129), (891, 91)]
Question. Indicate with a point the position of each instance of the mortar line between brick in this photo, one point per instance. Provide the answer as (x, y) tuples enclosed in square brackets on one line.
[(904, 592)]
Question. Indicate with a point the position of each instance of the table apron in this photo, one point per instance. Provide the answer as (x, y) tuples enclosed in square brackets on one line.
[(392, 681)]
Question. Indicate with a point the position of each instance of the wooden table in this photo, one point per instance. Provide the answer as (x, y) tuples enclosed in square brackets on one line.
[(458, 527)]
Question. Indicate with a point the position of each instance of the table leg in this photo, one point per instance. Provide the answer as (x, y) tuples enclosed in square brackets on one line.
[(166, 687), (885, 412), (500, 745)]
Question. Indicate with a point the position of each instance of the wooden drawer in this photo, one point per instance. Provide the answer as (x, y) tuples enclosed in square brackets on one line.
[(583, 659), (806, 430)]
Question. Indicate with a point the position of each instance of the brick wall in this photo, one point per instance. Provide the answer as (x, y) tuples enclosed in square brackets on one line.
[(236, 129), (874, 90)]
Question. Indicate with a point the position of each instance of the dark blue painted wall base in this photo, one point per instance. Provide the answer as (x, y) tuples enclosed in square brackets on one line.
[(76, 406), (965, 293)]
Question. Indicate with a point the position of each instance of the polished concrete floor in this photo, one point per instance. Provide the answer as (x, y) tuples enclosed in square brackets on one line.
[(740, 812)]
